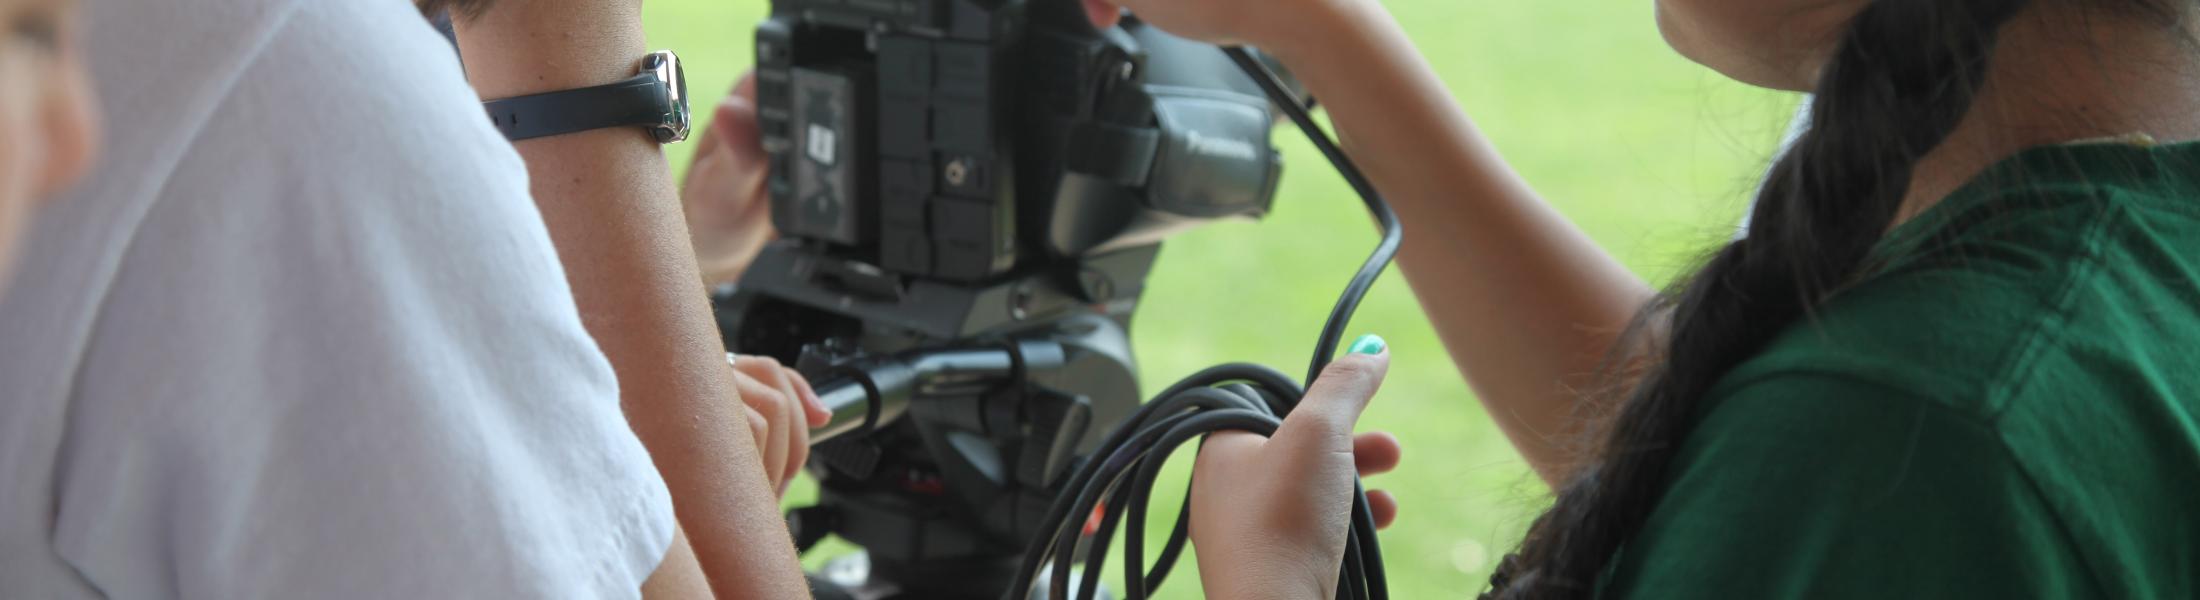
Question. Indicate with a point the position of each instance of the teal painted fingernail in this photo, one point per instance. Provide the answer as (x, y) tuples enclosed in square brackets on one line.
[(1368, 344)]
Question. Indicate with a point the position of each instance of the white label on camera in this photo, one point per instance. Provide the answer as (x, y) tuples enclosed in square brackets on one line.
[(824, 144), (1219, 148)]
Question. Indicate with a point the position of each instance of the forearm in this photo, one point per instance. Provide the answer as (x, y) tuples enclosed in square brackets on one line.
[(614, 215), (1527, 304)]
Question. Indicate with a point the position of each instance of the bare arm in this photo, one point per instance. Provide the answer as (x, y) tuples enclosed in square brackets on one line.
[(1525, 302), (612, 209), (679, 576)]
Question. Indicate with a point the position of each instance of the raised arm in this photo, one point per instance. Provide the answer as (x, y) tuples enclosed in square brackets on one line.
[(613, 212), (1527, 304)]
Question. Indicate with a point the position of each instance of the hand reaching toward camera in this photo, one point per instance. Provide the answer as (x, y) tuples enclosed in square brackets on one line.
[(728, 211), (1270, 515), (782, 409)]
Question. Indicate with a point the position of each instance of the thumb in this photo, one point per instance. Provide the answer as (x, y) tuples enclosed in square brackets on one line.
[(1323, 421)]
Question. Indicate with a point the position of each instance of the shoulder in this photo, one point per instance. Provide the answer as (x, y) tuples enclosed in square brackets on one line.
[(2001, 397), (1821, 485), (364, 106), (1962, 308), (311, 325)]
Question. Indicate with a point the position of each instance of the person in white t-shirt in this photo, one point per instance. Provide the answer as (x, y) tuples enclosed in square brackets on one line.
[(306, 333)]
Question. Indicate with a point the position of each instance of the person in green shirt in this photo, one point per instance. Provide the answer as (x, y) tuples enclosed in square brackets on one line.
[(1956, 354)]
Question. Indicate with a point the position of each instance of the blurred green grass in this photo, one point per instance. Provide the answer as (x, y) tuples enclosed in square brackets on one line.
[(1651, 154)]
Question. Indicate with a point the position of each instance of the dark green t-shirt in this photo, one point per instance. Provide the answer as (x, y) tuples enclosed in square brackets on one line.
[(2008, 406)]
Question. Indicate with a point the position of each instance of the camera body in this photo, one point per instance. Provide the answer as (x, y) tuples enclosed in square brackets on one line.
[(983, 184), (960, 140)]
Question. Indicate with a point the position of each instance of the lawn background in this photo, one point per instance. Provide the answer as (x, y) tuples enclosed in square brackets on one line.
[(1652, 155)]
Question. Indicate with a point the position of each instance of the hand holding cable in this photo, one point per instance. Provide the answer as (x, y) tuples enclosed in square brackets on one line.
[(1298, 528), (1271, 516), (1280, 511)]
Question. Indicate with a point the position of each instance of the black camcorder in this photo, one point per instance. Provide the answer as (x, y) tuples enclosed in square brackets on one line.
[(963, 141), (970, 195)]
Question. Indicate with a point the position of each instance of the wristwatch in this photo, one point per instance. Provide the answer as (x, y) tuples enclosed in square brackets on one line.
[(655, 99)]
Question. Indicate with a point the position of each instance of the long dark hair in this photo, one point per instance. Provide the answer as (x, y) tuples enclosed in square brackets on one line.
[(1902, 77)]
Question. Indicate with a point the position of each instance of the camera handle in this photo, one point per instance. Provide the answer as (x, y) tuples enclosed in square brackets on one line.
[(873, 393)]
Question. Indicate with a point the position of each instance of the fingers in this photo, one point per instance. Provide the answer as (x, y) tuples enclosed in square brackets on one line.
[(811, 404), (1103, 14), (745, 87), (798, 442), (759, 428), (725, 195), (799, 399), (790, 438), (706, 141), (764, 370), (706, 145), (1323, 421), (769, 404), (776, 458), (1385, 507), (1376, 453), (734, 122)]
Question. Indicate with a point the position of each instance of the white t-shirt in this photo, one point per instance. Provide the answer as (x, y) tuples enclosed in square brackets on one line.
[(303, 334)]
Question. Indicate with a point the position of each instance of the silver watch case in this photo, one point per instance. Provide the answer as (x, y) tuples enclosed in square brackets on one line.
[(665, 67)]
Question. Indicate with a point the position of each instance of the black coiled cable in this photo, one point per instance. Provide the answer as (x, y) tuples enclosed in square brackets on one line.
[(1118, 479)]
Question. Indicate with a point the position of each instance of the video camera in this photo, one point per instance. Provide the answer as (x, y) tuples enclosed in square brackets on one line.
[(970, 195)]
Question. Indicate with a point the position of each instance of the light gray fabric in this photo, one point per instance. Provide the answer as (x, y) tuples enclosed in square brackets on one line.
[(303, 335)]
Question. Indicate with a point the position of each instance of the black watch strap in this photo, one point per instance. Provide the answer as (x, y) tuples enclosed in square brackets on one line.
[(634, 102)]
